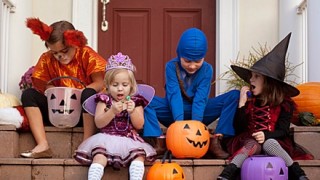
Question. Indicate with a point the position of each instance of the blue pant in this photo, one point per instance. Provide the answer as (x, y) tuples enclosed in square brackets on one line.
[(223, 107)]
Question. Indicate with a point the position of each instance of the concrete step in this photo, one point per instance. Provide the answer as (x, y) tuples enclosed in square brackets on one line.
[(308, 137), (69, 169), (63, 142)]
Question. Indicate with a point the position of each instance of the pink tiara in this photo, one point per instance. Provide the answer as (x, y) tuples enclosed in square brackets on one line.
[(120, 61)]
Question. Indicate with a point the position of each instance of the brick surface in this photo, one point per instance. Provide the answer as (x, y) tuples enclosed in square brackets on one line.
[(9, 144), (26, 141), (76, 172), (60, 144), (76, 140), (13, 172), (206, 172), (308, 137), (47, 172)]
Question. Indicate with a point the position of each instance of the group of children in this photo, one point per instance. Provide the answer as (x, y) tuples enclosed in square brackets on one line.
[(122, 113)]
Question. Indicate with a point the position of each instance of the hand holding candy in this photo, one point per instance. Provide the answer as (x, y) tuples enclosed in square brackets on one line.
[(244, 96), (130, 104), (249, 94), (117, 107)]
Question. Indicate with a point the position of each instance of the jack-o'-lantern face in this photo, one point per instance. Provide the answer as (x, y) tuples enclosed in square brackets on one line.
[(188, 139), (264, 167), (64, 106), (165, 171)]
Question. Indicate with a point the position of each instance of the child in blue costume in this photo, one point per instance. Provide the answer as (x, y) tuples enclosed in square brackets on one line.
[(188, 81)]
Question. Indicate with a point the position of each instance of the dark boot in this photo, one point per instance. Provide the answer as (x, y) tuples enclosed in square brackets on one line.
[(296, 172), (159, 144), (228, 172), (216, 149)]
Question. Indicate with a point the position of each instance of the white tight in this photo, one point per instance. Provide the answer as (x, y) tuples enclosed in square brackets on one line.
[(136, 170)]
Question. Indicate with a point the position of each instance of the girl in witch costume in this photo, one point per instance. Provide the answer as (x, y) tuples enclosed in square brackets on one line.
[(262, 121), (67, 55), (188, 82), (119, 116)]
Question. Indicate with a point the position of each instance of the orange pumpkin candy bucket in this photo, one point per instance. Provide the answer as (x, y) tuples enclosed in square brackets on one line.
[(188, 139), (166, 170)]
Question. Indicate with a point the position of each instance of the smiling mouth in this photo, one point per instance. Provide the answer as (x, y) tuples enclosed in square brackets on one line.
[(197, 144), (62, 111)]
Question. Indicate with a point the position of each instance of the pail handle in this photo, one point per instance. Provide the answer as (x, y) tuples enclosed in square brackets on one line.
[(67, 77), (166, 155)]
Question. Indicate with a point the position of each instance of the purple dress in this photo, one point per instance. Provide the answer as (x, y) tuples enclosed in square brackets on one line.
[(118, 140)]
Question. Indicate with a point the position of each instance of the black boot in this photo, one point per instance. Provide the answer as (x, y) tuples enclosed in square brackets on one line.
[(296, 172), (228, 172), (216, 149)]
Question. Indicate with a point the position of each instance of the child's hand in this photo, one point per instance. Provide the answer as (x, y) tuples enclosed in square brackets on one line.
[(130, 106), (259, 136), (117, 107), (243, 96)]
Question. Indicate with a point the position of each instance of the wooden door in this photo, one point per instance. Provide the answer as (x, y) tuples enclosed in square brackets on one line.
[(148, 31)]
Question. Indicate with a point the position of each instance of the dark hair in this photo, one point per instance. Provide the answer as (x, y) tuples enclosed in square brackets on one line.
[(58, 28), (273, 92)]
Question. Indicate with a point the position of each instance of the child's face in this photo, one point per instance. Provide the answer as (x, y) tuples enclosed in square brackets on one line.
[(191, 66), (256, 83), (64, 54), (120, 87)]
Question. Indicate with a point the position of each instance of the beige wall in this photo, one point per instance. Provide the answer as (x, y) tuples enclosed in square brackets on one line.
[(241, 26), (24, 47), (48, 11), (258, 24)]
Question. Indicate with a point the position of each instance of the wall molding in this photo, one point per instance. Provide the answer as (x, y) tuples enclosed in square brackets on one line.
[(7, 7), (227, 45), (86, 21)]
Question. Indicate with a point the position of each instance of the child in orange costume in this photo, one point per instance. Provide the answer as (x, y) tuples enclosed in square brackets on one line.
[(67, 55)]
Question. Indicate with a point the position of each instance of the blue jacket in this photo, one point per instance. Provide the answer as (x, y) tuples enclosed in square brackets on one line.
[(197, 86), (192, 46)]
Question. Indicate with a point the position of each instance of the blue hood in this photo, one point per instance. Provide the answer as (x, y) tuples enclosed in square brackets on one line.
[(192, 45)]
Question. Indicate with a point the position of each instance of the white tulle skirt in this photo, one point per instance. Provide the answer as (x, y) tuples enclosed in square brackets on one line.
[(119, 150)]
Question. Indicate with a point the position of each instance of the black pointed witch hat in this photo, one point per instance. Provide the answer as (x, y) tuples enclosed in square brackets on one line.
[(271, 65)]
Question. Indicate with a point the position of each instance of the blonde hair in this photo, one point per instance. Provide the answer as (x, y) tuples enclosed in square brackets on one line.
[(110, 74)]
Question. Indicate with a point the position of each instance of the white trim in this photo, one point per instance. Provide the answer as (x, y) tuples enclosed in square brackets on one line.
[(94, 19), (6, 8), (313, 40), (84, 18), (304, 39), (302, 6), (227, 45), (10, 4)]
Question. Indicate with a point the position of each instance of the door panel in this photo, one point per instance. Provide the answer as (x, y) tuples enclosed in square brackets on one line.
[(148, 31)]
